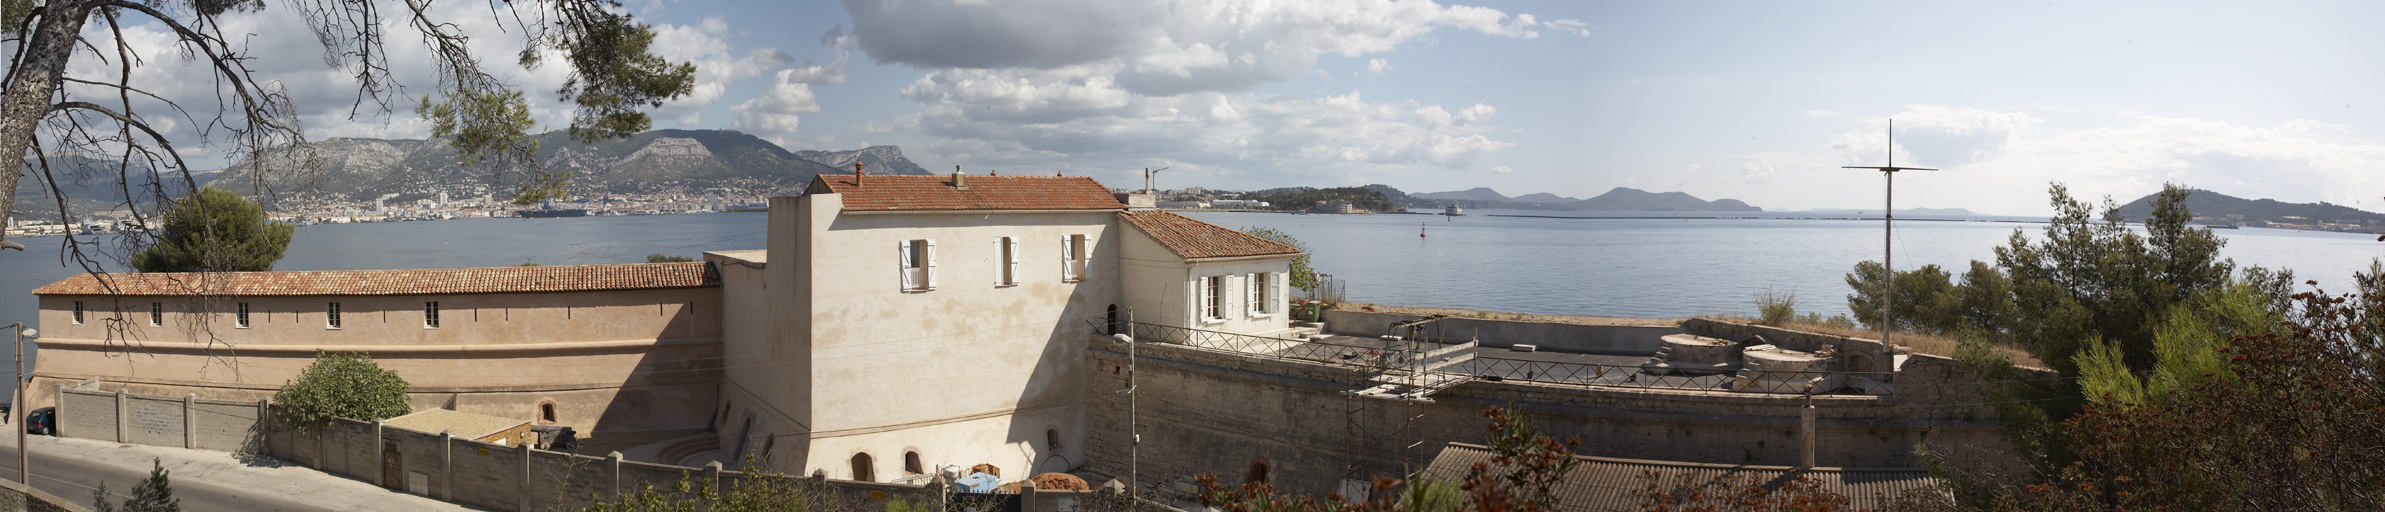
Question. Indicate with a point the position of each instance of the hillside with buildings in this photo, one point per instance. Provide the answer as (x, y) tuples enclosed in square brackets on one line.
[(2213, 208), (1620, 199), (658, 161)]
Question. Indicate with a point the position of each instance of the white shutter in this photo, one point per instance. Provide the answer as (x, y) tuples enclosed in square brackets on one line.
[(903, 249), (931, 267), (1012, 265), (1087, 271), (1067, 250), (998, 246), (1225, 302), (1275, 294)]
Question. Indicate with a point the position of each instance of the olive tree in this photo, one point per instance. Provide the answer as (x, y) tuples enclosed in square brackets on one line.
[(340, 385), (612, 76)]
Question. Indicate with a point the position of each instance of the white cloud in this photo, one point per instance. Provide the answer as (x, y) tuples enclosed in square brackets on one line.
[(2297, 161), (1575, 27), (1501, 169), (716, 65), (1758, 172), (777, 112), (1377, 67)]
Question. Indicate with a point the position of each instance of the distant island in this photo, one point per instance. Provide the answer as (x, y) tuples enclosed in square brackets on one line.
[(1621, 199), (1382, 198), (2224, 211)]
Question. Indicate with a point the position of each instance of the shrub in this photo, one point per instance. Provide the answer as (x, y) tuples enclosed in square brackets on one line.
[(340, 385)]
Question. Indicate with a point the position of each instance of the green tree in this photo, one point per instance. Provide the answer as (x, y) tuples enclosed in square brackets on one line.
[(1303, 277), (664, 258), (612, 75), (759, 490), (215, 230), (155, 494), (340, 385)]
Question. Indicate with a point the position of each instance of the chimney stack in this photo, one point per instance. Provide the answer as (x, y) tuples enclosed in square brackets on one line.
[(856, 173), (959, 181)]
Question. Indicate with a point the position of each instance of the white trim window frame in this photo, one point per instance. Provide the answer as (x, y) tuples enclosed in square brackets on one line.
[(1258, 289), (1006, 262), (1213, 297), (917, 264), (240, 317), (1076, 256)]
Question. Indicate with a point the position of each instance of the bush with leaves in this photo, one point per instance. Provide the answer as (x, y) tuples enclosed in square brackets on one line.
[(666, 258), (1522, 476), (1303, 277), (340, 385)]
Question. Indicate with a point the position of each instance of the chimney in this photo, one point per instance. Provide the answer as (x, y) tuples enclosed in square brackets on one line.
[(959, 181), (857, 173)]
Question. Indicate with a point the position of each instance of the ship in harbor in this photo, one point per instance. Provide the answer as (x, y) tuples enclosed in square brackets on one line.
[(548, 209)]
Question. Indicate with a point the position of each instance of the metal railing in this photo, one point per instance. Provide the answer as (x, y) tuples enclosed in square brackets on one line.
[(1398, 357)]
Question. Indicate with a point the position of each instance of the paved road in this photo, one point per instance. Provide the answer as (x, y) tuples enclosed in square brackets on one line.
[(205, 481)]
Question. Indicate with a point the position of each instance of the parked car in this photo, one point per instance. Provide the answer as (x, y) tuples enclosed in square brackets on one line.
[(42, 421)]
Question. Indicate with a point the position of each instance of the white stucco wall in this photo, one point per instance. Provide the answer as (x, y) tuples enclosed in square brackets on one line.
[(1163, 288)]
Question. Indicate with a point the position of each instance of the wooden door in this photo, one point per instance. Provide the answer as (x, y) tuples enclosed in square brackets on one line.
[(393, 465)]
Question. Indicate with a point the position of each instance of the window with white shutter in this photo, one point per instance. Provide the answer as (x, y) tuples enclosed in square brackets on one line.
[(1006, 261), (1213, 294), (1073, 250), (1258, 294), (1275, 292), (918, 265)]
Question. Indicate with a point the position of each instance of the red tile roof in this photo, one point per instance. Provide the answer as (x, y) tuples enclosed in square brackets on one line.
[(433, 281), (1193, 239), (883, 192)]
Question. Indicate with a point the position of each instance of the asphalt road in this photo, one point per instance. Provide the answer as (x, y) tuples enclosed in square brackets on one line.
[(73, 478)]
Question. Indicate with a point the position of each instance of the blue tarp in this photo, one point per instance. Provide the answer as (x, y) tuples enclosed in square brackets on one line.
[(977, 482)]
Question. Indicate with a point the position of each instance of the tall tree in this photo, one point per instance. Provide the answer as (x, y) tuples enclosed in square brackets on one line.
[(215, 230), (612, 76)]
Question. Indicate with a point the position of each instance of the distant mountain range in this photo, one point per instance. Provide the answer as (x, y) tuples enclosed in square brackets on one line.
[(1942, 212), (693, 160), (1618, 200)]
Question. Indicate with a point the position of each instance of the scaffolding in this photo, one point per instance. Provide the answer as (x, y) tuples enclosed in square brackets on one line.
[(1401, 376)]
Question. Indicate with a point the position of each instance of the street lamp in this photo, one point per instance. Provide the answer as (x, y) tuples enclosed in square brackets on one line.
[(24, 464)]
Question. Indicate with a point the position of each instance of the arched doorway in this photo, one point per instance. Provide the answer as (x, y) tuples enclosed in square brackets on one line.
[(864, 468), (1114, 326), (1260, 472)]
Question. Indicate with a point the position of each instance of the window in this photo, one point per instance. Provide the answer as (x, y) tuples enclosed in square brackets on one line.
[(78, 312), (546, 412), (918, 265), (862, 467), (157, 313), (1072, 257), (240, 315), (430, 316), (1213, 298), (911, 465), (331, 315), (1051, 439), (1258, 294), (1006, 261)]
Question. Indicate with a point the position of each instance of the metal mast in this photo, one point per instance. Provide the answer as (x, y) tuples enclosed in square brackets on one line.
[(1888, 237)]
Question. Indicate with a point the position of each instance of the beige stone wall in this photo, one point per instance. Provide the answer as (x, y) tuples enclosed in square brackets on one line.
[(973, 369), (609, 361)]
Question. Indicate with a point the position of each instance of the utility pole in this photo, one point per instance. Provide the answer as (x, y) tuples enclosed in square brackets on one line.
[(1147, 174), (1888, 237), (1134, 417), (24, 464)]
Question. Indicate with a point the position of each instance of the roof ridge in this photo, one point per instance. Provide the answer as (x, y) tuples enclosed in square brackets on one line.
[(432, 281)]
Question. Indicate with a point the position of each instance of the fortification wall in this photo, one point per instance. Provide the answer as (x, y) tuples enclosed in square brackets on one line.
[(1597, 339), (1206, 411)]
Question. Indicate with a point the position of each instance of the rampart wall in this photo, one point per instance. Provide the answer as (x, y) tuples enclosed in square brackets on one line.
[(1595, 339), (1208, 411)]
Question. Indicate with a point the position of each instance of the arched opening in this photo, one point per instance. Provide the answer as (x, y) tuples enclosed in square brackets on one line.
[(862, 466), (1114, 326), (546, 412), (911, 465), (1261, 472), (1860, 363), (1051, 439)]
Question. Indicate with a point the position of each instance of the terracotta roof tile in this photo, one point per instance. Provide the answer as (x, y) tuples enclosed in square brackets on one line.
[(434, 281), (1193, 239), (882, 192)]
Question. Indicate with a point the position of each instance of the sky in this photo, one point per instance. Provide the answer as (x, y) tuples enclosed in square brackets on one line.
[(1756, 101)]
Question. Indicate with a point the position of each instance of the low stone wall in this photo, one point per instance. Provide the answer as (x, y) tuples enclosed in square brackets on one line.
[(1207, 411), (1596, 339), (85, 411), (15, 497)]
